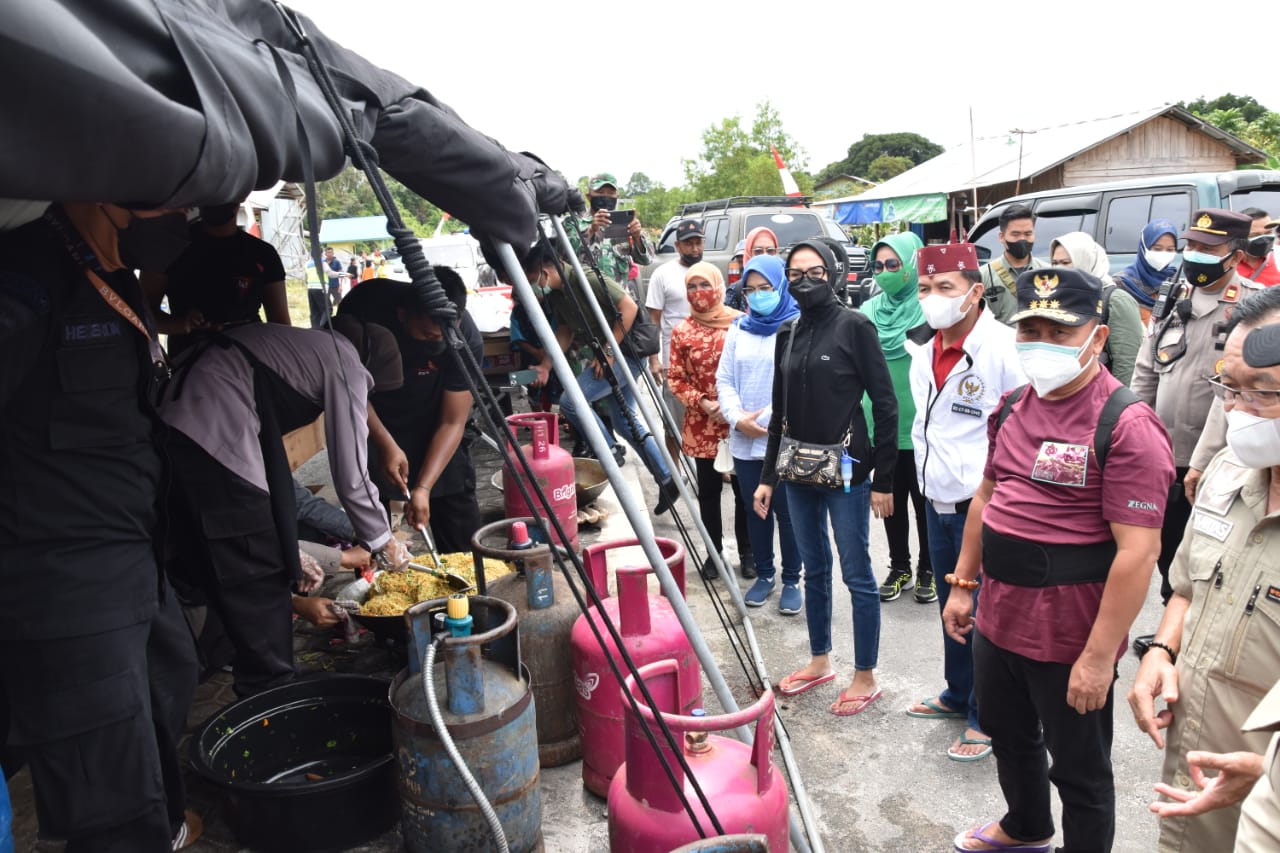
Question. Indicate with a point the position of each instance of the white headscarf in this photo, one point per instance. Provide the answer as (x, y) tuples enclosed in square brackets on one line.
[(1086, 255)]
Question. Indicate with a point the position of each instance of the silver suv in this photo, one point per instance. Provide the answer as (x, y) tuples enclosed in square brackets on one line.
[(725, 221)]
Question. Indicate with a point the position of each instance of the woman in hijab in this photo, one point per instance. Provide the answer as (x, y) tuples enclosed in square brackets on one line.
[(824, 361), (1153, 265), (759, 241), (695, 354), (1120, 311), (895, 310), (744, 381)]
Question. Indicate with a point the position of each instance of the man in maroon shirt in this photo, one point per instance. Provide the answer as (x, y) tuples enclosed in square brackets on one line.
[(1066, 553)]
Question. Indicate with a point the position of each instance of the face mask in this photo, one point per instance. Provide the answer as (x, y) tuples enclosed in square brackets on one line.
[(943, 312), (1050, 366), (1255, 441), (1019, 249), (763, 302), (153, 243), (690, 260), (703, 301), (892, 283), (1260, 245), (811, 293), (1159, 260), (1203, 269), (603, 202)]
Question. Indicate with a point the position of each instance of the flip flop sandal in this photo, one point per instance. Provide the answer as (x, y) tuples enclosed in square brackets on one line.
[(860, 704), (804, 683), (971, 741), (979, 834), (937, 711)]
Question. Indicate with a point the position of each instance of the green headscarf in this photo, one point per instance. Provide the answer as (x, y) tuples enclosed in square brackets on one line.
[(896, 310)]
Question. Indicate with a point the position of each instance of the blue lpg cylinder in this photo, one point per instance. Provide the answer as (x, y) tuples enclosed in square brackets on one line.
[(484, 696)]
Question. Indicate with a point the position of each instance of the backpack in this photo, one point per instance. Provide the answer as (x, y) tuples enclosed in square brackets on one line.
[(1120, 399)]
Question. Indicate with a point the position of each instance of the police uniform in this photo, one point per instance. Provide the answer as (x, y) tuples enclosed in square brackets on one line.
[(614, 256), (80, 587), (1259, 827), (1178, 352), (1228, 568)]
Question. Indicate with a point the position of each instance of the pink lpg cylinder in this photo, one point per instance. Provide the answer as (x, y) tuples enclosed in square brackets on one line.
[(552, 467), (650, 631), (744, 789)]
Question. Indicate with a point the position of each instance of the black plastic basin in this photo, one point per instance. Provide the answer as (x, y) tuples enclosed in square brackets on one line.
[(306, 767)]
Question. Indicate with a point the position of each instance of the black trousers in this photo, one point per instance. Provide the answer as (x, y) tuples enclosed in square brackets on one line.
[(897, 527), (1177, 513), (318, 302), (1022, 706), (454, 520), (710, 484), (98, 718), (230, 552)]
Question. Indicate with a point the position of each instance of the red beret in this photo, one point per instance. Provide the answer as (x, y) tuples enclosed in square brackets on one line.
[(949, 257)]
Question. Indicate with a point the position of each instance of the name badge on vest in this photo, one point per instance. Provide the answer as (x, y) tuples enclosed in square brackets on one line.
[(1212, 526), (962, 409)]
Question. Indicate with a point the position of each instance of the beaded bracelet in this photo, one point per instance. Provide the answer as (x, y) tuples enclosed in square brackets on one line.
[(961, 582), (1156, 644)]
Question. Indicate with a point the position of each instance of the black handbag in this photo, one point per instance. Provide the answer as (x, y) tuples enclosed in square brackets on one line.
[(802, 461)]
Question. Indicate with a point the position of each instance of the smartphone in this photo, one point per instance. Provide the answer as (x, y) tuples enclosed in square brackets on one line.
[(619, 220)]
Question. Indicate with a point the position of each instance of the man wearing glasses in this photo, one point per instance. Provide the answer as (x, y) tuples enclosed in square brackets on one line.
[(1183, 345), (1217, 650)]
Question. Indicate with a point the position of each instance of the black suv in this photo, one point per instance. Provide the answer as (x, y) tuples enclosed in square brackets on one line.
[(725, 221)]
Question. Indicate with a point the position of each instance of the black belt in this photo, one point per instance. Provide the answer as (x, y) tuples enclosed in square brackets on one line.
[(1025, 563), (960, 508)]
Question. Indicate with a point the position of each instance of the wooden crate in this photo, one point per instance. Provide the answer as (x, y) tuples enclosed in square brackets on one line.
[(304, 442)]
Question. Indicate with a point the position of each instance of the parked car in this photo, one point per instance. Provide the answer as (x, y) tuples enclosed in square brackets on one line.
[(460, 251), (725, 221), (1114, 213)]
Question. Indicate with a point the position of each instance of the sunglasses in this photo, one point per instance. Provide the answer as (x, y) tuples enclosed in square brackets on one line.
[(764, 250), (891, 265), (817, 273)]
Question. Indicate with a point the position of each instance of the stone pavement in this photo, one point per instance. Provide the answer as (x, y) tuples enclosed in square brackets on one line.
[(878, 782)]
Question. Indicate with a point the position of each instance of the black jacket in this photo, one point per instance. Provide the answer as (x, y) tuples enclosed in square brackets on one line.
[(836, 358)]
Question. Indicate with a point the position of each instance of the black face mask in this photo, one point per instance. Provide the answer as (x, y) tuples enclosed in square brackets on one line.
[(153, 243), (1019, 249), (1260, 245), (603, 202), (690, 260), (1204, 275), (812, 293)]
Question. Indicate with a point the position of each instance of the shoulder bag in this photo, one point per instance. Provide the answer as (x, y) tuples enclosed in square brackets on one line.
[(801, 461)]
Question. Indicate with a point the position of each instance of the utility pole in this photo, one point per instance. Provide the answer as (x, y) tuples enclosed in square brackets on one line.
[(1017, 190)]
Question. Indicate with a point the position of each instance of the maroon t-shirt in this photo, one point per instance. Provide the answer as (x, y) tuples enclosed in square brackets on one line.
[(1050, 489)]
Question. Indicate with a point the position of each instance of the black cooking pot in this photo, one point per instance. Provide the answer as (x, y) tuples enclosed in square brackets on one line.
[(307, 767)]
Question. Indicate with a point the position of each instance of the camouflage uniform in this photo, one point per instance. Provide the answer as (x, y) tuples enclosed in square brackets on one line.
[(613, 256)]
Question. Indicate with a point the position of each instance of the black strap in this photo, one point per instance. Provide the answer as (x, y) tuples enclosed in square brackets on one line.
[(1104, 358), (1120, 399), (782, 369)]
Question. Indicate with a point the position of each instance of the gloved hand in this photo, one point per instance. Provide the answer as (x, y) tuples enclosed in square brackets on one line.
[(312, 573), (394, 556)]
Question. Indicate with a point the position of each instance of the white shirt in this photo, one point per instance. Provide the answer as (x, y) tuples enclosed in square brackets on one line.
[(950, 428), (667, 294)]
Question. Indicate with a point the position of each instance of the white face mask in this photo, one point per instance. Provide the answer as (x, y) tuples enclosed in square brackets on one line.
[(1050, 366), (1159, 260), (943, 312), (1255, 441)]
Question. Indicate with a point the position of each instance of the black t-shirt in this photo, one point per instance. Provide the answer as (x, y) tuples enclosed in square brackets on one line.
[(411, 413), (224, 278)]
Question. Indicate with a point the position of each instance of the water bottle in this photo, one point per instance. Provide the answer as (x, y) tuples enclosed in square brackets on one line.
[(846, 470)]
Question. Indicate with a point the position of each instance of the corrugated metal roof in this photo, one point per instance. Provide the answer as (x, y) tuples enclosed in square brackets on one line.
[(354, 229), (994, 159)]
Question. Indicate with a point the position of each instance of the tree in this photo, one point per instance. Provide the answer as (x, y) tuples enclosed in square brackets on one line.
[(886, 166), (736, 160), (638, 184), (348, 194), (1246, 105), (864, 152), (1244, 117)]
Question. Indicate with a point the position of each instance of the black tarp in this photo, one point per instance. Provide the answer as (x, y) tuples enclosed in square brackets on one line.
[(177, 103)]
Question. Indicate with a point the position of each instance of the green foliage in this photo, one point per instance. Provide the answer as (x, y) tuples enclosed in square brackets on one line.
[(638, 184), (736, 160), (1245, 105), (866, 150), (348, 194), (886, 166), (659, 204), (1244, 117)]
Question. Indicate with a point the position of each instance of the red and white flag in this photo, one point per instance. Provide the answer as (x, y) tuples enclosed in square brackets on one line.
[(789, 185), (440, 225)]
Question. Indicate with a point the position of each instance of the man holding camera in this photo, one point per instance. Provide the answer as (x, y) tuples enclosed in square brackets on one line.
[(614, 256)]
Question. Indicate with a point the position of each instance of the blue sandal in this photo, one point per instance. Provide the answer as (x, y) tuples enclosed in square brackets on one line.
[(936, 711)]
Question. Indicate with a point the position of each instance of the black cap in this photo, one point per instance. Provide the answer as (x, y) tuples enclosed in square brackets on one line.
[(1061, 294), (688, 228), (1214, 226), (1262, 346)]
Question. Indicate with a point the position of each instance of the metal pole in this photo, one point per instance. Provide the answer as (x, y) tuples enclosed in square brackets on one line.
[(639, 519)]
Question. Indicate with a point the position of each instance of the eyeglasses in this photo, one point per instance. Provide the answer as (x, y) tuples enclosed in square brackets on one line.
[(758, 288), (891, 265), (1249, 396), (819, 273), (765, 250)]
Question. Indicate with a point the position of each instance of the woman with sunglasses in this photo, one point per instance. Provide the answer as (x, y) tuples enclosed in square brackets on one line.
[(825, 361), (895, 310)]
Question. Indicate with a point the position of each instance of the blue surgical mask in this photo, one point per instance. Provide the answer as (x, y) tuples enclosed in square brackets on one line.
[(1199, 257), (763, 301)]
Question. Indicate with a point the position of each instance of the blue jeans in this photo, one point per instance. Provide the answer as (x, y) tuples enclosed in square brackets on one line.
[(850, 519), (760, 530), (599, 389), (945, 534)]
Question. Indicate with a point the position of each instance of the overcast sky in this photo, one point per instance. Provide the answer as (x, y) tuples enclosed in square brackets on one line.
[(630, 86)]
